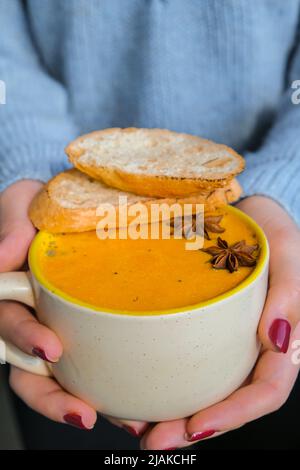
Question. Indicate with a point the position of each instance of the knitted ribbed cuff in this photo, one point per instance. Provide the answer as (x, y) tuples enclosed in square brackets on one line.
[(38, 161), (275, 175)]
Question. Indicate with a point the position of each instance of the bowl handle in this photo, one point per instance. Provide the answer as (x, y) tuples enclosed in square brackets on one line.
[(17, 286)]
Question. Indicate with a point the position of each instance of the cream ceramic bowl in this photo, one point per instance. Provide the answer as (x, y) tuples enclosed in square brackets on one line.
[(151, 367)]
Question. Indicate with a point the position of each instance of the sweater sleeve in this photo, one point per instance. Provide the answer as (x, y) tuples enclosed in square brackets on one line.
[(35, 122), (274, 169)]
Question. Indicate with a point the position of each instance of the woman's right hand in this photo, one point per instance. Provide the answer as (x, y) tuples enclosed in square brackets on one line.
[(21, 328)]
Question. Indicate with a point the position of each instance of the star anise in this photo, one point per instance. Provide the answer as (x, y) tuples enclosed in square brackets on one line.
[(189, 228), (186, 225), (230, 257), (212, 224)]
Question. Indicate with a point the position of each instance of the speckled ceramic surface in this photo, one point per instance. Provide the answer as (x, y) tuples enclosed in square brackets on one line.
[(156, 367)]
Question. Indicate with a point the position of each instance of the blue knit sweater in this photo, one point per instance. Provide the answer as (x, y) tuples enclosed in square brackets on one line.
[(221, 69)]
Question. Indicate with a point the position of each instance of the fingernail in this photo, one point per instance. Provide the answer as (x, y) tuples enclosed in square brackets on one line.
[(171, 448), (197, 436), (132, 431), (39, 352), (75, 420), (279, 334)]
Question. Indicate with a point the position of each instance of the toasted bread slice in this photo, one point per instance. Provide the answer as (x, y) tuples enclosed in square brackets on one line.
[(154, 162), (69, 201)]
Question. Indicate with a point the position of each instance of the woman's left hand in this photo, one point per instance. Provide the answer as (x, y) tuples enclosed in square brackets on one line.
[(277, 368)]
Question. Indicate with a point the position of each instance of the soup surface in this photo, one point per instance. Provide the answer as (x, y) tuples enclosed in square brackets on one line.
[(139, 275)]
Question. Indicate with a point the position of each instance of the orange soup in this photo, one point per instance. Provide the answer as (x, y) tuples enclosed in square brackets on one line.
[(140, 275)]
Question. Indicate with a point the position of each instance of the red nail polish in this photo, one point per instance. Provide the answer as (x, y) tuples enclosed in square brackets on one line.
[(279, 334), (39, 352), (197, 436), (171, 448), (75, 420), (131, 431)]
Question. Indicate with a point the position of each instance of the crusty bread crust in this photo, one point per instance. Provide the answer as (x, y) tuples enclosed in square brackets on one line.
[(219, 166), (47, 212)]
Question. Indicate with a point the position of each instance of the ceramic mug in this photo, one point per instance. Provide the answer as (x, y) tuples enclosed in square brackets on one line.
[(152, 367)]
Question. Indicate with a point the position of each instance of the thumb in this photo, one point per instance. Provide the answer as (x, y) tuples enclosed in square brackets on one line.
[(14, 246), (282, 309), (16, 230)]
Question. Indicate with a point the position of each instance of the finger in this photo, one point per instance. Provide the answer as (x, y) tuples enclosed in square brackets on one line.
[(282, 308), (16, 230), (15, 200), (272, 382), (45, 396), (135, 428), (170, 435), (167, 435), (15, 241), (20, 327)]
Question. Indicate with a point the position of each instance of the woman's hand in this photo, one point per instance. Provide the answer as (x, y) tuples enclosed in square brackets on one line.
[(20, 327), (276, 370)]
